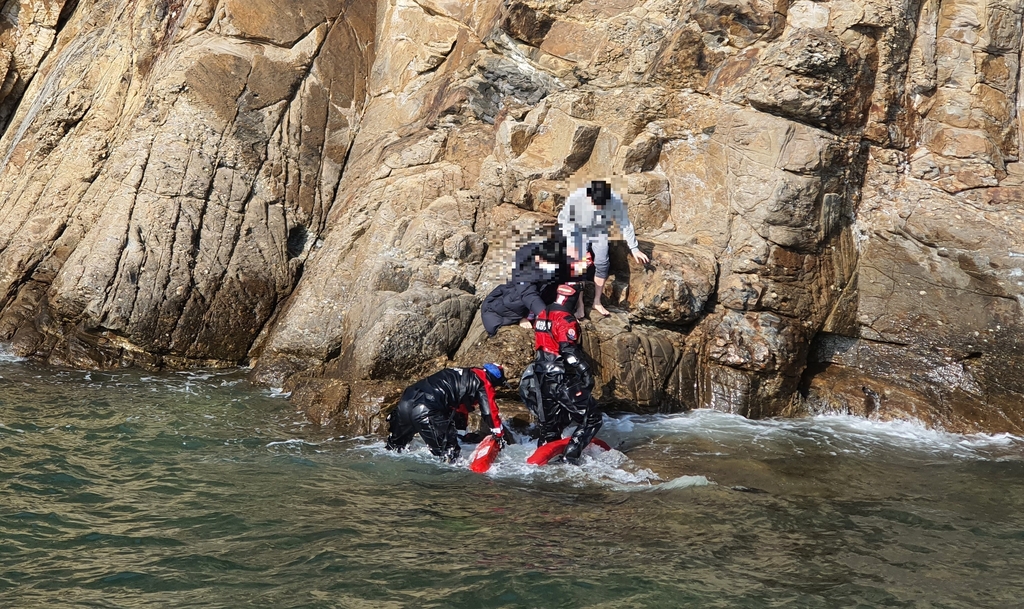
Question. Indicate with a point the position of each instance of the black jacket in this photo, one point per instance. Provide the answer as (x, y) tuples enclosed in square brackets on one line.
[(524, 292)]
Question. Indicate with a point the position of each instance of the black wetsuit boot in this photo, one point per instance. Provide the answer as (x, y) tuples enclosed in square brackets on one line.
[(589, 423)]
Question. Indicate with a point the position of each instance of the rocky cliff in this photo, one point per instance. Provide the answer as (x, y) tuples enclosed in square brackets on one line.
[(830, 193)]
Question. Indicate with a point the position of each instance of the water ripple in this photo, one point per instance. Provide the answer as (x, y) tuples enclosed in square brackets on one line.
[(128, 490)]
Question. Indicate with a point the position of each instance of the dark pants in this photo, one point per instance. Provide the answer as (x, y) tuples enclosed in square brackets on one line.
[(557, 400), (436, 423), (507, 304)]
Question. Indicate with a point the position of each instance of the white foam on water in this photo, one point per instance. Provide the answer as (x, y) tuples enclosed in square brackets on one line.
[(6, 357), (197, 375), (610, 469), (685, 482), (868, 435), (682, 482), (416, 450), (839, 434), (277, 392), (293, 443)]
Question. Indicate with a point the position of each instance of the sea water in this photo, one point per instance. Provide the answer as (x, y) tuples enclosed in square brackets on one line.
[(198, 490)]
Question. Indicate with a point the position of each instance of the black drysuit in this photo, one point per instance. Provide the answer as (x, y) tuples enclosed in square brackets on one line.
[(529, 287), (438, 406), (557, 386)]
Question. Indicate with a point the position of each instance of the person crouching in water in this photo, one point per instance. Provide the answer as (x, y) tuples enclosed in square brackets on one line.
[(557, 385), (439, 405)]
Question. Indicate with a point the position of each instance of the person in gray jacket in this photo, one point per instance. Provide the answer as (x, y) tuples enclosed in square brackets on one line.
[(585, 220)]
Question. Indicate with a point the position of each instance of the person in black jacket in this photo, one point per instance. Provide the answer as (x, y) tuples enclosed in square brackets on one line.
[(439, 405), (557, 386), (539, 268)]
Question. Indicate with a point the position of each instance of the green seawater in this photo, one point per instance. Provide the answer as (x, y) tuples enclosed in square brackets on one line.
[(198, 490)]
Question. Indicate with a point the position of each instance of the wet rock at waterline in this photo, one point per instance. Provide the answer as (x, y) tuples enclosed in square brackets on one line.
[(327, 192)]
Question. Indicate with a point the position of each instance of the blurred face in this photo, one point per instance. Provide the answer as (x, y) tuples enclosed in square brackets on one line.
[(599, 193)]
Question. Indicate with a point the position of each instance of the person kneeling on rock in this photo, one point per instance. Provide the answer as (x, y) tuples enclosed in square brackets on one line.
[(557, 386), (537, 266), (439, 405)]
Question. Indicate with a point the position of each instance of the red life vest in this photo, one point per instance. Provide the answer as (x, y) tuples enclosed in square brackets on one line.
[(554, 327), (493, 407)]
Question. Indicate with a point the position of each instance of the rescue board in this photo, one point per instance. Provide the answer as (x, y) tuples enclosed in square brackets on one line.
[(547, 452), (484, 454)]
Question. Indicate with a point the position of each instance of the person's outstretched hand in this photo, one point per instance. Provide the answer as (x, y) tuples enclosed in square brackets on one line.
[(640, 257)]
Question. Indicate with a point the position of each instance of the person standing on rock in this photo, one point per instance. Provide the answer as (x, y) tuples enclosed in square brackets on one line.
[(557, 386), (439, 405), (585, 221), (537, 266)]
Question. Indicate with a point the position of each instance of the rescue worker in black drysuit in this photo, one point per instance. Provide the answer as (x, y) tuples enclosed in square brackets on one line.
[(557, 385), (538, 269), (439, 405)]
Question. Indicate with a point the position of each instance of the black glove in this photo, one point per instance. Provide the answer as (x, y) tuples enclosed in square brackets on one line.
[(451, 454), (499, 437), (577, 361)]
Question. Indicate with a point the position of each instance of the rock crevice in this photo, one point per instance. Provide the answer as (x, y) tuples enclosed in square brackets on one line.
[(829, 192)]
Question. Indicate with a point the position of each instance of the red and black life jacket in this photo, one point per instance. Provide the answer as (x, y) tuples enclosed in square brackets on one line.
[(554, 327)]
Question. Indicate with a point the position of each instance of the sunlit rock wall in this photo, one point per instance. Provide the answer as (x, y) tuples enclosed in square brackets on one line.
[(830, 193), (167, 171)]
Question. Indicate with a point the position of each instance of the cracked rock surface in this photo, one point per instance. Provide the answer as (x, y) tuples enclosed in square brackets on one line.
[(830, 192)]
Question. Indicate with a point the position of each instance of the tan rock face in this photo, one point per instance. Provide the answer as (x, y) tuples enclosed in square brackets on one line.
[(967, 74), (809, 76), (327, 190), (172, 192), (27, 32), (673, 289)]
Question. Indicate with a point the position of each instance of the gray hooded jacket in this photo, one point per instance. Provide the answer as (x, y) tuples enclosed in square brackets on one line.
[(580, 220)]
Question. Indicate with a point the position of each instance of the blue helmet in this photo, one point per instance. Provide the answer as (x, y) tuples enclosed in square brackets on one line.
[(496, 373)]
